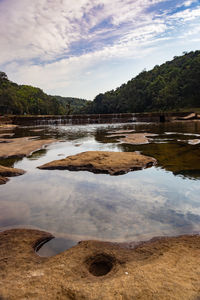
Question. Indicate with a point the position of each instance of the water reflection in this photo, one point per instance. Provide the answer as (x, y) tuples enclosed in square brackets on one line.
[(82, 205)]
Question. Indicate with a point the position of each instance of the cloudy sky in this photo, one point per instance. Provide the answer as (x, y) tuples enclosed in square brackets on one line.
[(83, 47)]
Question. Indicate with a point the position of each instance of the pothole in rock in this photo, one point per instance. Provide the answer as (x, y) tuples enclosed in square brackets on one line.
[(101, 264)]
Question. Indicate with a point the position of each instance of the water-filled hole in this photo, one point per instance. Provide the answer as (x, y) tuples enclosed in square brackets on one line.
[(101, 265)]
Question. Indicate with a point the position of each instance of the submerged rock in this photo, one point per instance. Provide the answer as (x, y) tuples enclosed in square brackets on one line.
[(9, 172), (20, 147), (113, 163), (133, 138), (162, 268)]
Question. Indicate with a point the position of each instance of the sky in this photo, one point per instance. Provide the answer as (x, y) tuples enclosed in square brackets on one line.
[(80, 48)]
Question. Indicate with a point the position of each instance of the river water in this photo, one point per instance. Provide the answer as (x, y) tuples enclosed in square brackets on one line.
[(73, 206)]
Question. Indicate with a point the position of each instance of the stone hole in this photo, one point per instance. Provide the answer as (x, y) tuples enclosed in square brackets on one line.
[(100, 265)]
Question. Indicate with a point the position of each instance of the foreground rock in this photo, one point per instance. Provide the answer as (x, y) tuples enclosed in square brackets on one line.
[(113, 163), (9, 172), (134, 138), (20, 147), (165, 268)]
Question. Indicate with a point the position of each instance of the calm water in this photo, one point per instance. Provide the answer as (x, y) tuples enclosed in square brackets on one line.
[(162, 200)]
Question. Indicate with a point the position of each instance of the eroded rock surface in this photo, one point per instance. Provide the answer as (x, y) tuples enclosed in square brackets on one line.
[(164, 268), (20, 147), (9, 172), (113, 163)]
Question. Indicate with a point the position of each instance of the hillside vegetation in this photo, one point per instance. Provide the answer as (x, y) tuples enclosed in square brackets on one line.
[(172, 86), (25, 99), (175, 85)]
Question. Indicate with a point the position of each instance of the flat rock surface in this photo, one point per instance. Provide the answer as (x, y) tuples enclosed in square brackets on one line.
[(20, 147), (163, 268), (113, 163), (9, 172), (134, 138)]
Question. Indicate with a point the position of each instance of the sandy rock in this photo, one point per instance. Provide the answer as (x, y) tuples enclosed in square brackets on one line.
[(20, 147), (194, 142), (113, 163), (137, 138), (164, 268), (9, 172), (7, 126), (2, 135), (3, 180), (37, 130), (6, 171), (122, 131), (191, 116), (134, 138)]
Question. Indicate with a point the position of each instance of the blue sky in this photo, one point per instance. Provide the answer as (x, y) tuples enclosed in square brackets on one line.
[(84, 47)]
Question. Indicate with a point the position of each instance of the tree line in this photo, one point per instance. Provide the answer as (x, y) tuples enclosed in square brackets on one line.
[(25, 99), (172, 86)]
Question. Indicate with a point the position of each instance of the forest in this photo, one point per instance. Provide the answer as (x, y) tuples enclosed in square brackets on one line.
[(25, 99), (172, 86)]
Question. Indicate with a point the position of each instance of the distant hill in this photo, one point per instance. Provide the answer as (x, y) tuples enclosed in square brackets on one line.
[(172, 86), (74, 105), (25, 99)]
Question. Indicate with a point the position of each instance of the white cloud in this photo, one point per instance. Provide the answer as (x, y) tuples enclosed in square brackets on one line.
[(189, 2), (54, 43), (186, 15)]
